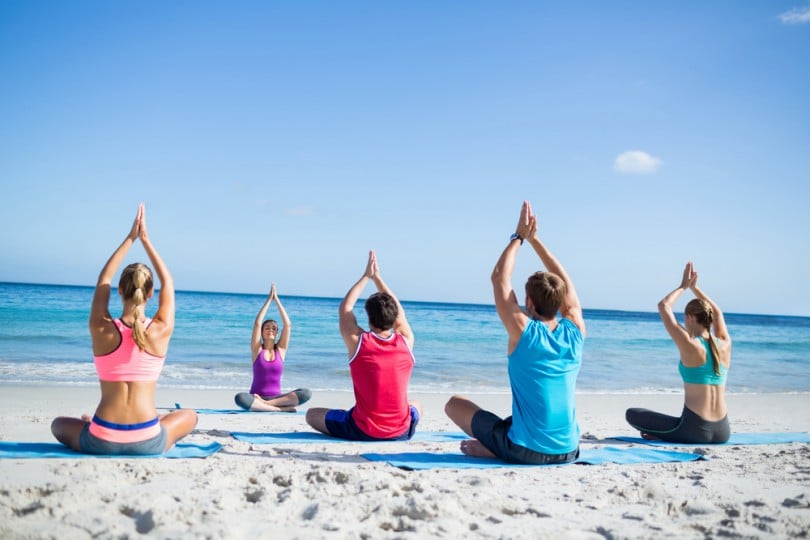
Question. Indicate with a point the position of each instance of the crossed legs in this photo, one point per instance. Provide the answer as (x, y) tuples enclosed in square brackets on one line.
[(461, 411)]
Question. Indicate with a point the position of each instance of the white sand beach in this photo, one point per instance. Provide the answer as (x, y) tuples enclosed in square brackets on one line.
[(326, 490)]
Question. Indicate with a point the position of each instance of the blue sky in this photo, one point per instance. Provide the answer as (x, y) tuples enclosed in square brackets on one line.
[(280, 141)]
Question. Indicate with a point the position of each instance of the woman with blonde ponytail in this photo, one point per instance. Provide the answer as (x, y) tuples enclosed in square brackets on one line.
[(705, 360), (136, 280), (129, 352)]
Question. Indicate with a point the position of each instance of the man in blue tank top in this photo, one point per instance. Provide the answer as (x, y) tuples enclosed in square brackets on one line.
[(544, 354)]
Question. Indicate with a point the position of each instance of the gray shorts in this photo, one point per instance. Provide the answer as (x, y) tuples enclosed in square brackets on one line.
[(493, 432), (90, 444)]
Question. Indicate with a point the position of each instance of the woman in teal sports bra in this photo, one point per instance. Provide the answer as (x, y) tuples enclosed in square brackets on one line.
[(705, 360)]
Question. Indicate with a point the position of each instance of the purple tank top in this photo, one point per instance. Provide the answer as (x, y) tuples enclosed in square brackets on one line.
[(267, 375)]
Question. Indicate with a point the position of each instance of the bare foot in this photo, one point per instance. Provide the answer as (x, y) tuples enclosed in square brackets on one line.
[(473, 447), (282, 404), (649, 437), (273, 408), (263, 406)]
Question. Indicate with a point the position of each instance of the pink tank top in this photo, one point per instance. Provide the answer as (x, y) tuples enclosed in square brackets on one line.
[(128, 363), (267, 374), (381, 369)]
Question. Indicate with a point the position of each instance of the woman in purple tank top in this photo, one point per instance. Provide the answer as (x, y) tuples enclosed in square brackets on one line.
[(267, 356)]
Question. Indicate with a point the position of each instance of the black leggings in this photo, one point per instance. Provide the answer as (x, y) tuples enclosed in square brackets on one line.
[(689, 428)]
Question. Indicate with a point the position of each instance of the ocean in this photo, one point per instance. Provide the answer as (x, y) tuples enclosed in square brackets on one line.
[(460, 348)]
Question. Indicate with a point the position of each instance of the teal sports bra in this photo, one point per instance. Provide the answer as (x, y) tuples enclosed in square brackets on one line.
[(704, 374)]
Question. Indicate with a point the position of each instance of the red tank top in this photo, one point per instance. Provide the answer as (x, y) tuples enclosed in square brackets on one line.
[(381, 369)]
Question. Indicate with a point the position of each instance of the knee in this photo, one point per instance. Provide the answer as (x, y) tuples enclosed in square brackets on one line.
[(312, 414), (303, 395), (56, 426), (316, 419), (244, 400), (451, 405), (634, 415)]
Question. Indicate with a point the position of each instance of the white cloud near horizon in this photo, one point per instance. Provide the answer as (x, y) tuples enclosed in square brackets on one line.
[(302, 210), (636, 162), (796, 16)]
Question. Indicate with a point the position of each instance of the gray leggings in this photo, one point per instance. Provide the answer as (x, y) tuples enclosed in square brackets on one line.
[(689, 428), (245, 399), (90, 444)]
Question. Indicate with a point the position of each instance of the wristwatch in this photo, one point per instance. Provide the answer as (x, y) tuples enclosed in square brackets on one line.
[(516, 236)]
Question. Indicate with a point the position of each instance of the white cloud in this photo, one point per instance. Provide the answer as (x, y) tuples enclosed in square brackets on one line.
[(302, 210), (636, 162), (796, 16)]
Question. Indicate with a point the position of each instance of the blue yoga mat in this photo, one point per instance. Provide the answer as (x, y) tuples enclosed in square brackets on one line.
[(243, 411), (588, 456), (736, 439), (233, 411), (58, 450), (311, 436)]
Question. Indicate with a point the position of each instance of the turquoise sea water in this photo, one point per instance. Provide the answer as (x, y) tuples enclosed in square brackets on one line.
[(459, 347)]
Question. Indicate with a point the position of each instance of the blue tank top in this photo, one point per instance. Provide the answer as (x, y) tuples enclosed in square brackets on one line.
[(704, 374), (543, 371)]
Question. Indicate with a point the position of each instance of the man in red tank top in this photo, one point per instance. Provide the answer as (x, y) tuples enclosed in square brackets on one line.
[(381, 361)]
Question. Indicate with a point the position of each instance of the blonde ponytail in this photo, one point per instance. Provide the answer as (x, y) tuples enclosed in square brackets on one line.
[(715, 353), (135, 285), (703, 313)]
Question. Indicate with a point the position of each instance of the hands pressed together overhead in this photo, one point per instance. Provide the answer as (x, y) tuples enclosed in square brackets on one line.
[(690, 276), (371, 266), (139, 225), (527, 223)]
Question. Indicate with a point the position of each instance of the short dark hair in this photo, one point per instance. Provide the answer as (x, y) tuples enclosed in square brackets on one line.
[(382, 310), (547, 291)]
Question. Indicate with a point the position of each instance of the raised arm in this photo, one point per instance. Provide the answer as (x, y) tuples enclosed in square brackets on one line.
[(571, 308), (719, 322), (509, 311), (100, 309), (163, 322), (350, 331), (677, 332), (286, 330), (401, 324), (256, 336)]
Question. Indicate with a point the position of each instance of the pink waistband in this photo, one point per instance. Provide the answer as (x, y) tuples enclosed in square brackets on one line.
[(122, 435)]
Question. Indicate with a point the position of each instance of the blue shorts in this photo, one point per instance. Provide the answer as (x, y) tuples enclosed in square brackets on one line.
[(493, 432), (341, 425), (90, 444)]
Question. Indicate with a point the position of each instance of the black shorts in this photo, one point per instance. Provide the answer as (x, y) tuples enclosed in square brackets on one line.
[(493, 432)]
